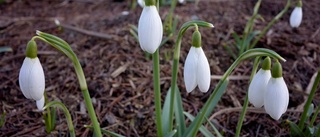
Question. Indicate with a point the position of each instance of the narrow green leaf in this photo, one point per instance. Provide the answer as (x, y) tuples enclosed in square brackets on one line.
[(53, 118), (310, 110), (250, 38), (214, 128), (165, 113), (134, 34), (5, 49), (237, 39), (106, 132), (2, 119), (202, 129), (230, 52), (171, 134), (218, 92), (295, 130), (178, 111)]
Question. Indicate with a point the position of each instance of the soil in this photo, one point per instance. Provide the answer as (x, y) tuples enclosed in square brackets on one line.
[(119, 75)]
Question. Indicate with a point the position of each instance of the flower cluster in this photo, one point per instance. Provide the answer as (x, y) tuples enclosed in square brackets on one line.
[(269, 89), (31, 76)]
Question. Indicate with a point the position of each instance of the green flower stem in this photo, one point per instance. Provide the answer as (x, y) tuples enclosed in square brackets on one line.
[(175, 65), (47, 119), (66, 113), (157, 92), (307, 105), (264, 31), (64, 47), (246, 101), (205, 110)]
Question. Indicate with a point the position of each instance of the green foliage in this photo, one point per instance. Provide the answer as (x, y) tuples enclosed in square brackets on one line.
[(306, 128), (2, 118), (251, 37)]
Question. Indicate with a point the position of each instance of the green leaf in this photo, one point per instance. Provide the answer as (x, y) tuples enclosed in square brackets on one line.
[(310, 110), (214, 128), (237, 40), (178, 110), (53, 118), (165, 113), (106, 132), (171, 134), (295, 130), (250, 38), (2, 119), (208, 108), (202, 129), (5, 49)]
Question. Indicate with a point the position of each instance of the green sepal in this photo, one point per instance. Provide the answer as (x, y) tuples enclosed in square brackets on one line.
[(266, 64), (150, 2), (276, 70), (299, 3), (32, 49), (196, 39)]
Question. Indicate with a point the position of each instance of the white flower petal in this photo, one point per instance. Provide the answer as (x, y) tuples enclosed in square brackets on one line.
[(150, 29), (141, 3), (181, 1), (258, 86), (31, 79), (40, 103), (276, 98), (190, 67), (296, 17), (203, 71)]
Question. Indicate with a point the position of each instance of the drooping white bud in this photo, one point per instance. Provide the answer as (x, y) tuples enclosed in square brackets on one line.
[(150, 29), (40, 103), (276, 98), (258, 86), (296, 17), (31, 78), (197, 70)]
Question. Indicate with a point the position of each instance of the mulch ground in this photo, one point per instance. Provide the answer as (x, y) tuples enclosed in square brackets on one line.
[(119, 75)]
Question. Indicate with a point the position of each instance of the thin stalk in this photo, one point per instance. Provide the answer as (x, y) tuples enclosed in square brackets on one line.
[(264, 31), (157, 91), (246, 101), (310, 97), (66, 113), (174, 79), (65, 48), (92, 113), (249, 26), (175, 65), (170, 16), (48, 115)]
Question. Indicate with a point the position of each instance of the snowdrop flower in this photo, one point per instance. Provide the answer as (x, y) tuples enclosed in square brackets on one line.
[(181, 1), (141, 3), (31, 76), (196, 68), (296, 16), (150, 28), (259, 83), (276, 97)]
